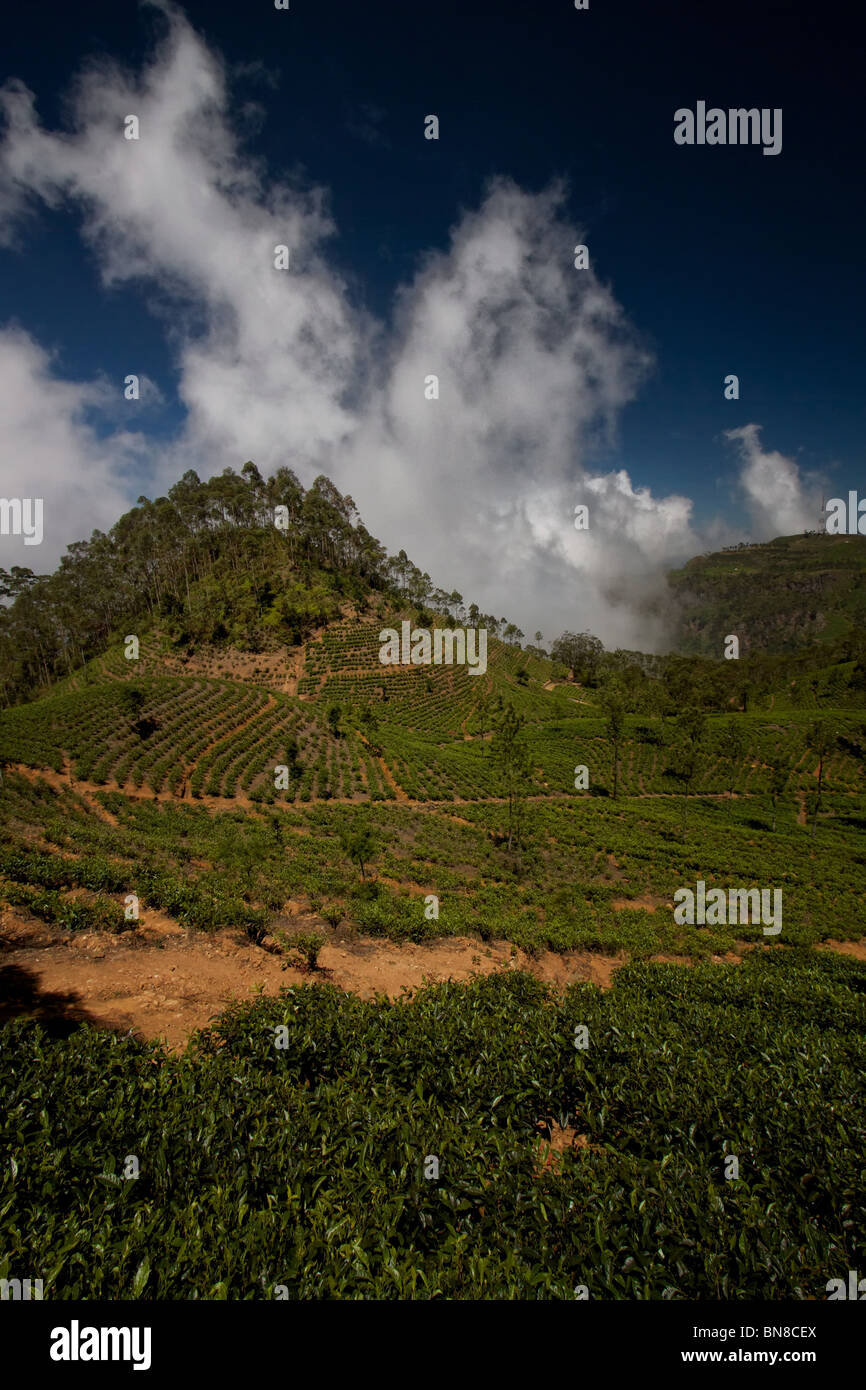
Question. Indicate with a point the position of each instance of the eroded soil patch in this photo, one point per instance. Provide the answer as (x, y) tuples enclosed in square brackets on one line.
[(162, 981)]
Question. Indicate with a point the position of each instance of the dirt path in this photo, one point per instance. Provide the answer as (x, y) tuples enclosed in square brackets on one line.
[(164, 982), (398, 791)]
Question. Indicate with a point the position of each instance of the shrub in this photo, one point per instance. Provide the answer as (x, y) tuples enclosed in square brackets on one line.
[(309, 944)]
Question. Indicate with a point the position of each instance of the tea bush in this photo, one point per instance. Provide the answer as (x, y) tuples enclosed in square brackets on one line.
[(304, 1166)]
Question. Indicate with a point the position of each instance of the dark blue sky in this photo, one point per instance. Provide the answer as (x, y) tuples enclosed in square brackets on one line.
[(726, 260)]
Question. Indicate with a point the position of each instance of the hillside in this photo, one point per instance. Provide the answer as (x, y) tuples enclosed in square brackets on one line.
[(781, 596), (429, 880)]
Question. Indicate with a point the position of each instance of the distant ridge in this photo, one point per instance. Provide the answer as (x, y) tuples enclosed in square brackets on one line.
[(780, 596)]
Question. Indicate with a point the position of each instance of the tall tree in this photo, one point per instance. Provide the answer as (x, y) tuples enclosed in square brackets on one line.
[(732, 746), (821, 740), (614, 728), (510, 753), (779, 778), (688, 753), (358, 844), (580, 652)]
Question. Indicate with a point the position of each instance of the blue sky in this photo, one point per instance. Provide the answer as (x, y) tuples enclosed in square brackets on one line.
[(414, 256)]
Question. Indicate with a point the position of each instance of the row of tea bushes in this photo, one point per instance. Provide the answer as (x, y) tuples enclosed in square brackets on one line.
[(392, 1150)]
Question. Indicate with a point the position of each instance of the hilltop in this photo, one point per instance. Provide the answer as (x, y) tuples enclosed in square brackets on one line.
[(237, 563), (215, 695), (781, 596), (201, 646)]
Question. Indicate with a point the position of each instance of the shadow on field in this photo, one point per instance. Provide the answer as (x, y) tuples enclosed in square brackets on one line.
[(59, 1014)]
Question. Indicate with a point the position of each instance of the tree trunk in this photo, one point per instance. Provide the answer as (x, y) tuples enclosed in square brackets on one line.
[(818, 797)]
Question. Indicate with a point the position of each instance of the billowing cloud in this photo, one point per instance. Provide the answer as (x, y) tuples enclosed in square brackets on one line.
[(264, 356), (779, 499), (534, 359), (52, 452)]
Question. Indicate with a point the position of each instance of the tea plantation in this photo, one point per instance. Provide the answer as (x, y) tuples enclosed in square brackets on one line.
[(398, 1150), (694, 1132)]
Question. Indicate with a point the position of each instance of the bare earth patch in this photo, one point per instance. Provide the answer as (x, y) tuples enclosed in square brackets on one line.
[(572, 967), (647, 903), (554, 1141), (857, 949), (161, 981)]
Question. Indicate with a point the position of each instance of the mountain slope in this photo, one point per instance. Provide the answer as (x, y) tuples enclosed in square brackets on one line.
[(778, 597)]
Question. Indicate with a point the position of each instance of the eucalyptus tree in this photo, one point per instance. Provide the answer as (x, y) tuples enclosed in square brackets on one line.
[(821, 740), (581, 652), (780, 776), (614, 709), (358, 843), (510, 754), (732, 743), (688, 753)]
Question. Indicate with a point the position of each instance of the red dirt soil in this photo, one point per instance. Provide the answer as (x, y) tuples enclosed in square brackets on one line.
[(161, 981)]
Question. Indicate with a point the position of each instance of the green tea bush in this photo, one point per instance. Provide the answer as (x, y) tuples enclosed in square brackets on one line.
[(98, 914), (291, 1145), (308, 945)]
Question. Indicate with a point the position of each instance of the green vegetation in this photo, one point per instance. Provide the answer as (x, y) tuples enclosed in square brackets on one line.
[(585, 860), (257, 762), (308, 945), (303, 1168), (782, 596)]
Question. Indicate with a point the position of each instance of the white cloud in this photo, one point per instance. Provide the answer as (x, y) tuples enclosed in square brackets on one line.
[(535, 359), (52, 452), (264, 356), (780, 499)]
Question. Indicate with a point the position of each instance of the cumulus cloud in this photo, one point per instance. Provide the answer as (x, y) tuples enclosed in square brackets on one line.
[(534, 359), (779, 498), (264, 357), (53, 452)]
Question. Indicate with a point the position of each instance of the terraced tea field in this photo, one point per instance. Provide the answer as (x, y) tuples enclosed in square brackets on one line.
[(209, 738), (557, 1169)]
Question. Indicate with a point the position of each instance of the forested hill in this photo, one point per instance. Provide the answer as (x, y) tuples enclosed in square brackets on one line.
[(779, 597), (263, 565), (213, 562)]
